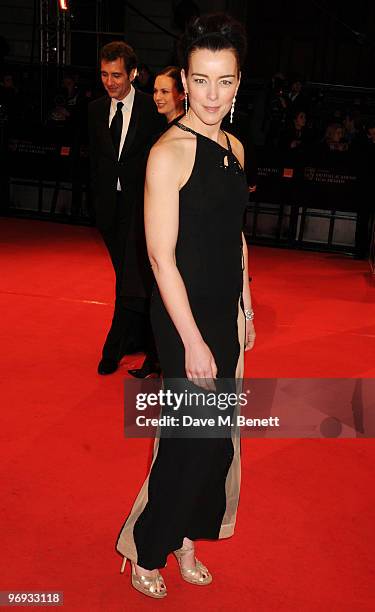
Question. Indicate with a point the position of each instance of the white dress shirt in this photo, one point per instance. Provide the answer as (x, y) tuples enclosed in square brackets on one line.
[(126, 114)]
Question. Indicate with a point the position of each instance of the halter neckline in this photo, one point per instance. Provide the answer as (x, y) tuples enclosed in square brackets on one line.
[(187, 129)]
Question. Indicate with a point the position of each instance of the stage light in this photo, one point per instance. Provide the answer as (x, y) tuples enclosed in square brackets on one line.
[(63, 5)]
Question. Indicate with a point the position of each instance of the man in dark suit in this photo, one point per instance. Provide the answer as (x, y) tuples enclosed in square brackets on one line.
[(122, 125)]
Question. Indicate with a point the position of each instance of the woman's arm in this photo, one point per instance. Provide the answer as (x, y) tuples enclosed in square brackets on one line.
[(238, 150), (164, 175), (250, 330), (246, 287)]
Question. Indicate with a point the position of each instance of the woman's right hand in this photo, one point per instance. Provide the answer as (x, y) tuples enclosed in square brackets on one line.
[(200, 365)]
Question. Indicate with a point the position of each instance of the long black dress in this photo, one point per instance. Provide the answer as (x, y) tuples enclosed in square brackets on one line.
[(193, 486)]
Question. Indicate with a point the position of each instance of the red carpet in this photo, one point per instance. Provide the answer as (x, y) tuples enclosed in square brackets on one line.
[(305, 534)]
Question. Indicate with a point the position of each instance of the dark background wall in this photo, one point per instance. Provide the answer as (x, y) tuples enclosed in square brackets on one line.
[(309, 37), (16, 26)]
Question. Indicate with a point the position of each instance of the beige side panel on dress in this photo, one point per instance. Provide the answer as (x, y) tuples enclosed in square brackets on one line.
[(233, 480), (125, 543)]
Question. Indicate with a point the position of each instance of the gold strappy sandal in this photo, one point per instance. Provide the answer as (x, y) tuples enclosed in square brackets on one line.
[(200, 575), (152, 587)]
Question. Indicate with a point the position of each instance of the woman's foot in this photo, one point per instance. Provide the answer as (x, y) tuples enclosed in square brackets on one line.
[(149, 369), (188, 558), (141, 571), (148, 582), (192, 570)]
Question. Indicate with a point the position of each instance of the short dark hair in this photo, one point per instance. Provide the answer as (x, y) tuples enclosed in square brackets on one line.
[(215, 32), (295, 77), (297, 111), (175, 73), (119, 49)]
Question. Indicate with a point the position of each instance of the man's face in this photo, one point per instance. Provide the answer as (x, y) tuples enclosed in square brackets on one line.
[(115, 79), (8, 80), (296, 87)]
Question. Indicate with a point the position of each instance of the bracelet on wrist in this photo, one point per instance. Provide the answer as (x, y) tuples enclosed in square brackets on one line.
[(249, 314)]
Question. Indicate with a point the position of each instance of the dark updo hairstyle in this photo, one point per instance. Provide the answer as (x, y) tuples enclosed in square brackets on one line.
[(215, 32), (175, 74)]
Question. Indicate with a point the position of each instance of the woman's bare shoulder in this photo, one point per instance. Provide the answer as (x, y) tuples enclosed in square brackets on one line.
[(237, 147), (174, 137), (171, 148)]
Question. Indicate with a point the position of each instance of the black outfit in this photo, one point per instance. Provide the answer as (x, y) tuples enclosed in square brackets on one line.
[(300, 103), (295, 156), (119, 216), (193, 486), (151, 366)]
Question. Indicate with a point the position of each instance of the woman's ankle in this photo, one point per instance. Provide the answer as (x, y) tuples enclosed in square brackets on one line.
[(188, 544), (144, 571)]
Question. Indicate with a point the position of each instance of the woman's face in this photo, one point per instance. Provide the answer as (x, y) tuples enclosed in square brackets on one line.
[(338, 135), (166, 96), (300, 120), (211, 82)]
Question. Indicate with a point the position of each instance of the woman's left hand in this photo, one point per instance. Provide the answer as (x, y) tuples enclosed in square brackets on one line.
[(249, 335)]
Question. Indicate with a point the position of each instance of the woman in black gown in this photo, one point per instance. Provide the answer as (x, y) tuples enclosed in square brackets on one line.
[(195, 198)]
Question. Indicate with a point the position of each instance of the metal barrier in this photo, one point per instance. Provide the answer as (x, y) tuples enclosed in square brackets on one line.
[(48, 177), (311, 206), (314, 206)]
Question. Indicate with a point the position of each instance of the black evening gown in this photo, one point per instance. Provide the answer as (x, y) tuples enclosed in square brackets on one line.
[(192, 488)]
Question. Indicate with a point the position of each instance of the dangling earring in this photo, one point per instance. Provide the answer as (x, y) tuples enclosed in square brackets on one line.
[(186, 103), (232, 109)]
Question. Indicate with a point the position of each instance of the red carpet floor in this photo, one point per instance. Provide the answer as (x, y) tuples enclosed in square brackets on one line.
[(305, 533)]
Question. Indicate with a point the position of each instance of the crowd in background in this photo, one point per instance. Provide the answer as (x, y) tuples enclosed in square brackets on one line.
[(294, 124), (293, 120)]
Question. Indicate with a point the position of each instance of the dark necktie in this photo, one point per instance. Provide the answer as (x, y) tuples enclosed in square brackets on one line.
[(116, 127)]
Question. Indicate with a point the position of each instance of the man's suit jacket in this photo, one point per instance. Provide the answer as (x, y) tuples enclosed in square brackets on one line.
[(145, 123)]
